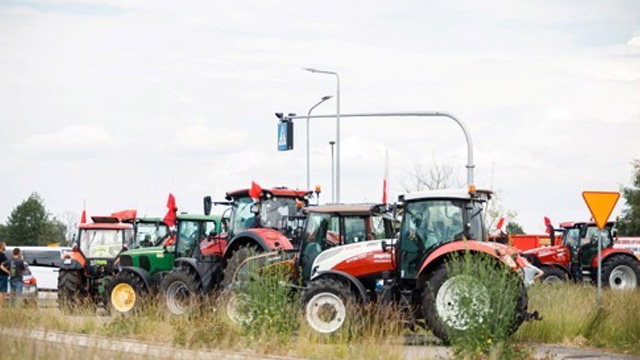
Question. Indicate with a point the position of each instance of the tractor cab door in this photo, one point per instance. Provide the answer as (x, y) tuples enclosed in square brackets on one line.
[(321, 233), (425, 226), (189, 234), (589, 244)]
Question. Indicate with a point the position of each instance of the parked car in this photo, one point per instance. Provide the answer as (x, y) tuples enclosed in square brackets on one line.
[(43, 262)]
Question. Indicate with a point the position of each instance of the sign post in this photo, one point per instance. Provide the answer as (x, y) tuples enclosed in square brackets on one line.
[(600, 204)]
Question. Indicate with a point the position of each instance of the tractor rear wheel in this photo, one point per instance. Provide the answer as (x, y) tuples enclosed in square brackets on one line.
[(69, 289), (327, 305), (447, 306), (127, 293), (552, 275), (181, 290), (234, 262), (620, 272)]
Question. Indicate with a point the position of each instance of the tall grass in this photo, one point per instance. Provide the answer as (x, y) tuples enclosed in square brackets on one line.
[(570, 316)]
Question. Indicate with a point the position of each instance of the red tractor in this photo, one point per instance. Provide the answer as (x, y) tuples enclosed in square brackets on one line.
[(260, 221), (411, 271), (576, 257)]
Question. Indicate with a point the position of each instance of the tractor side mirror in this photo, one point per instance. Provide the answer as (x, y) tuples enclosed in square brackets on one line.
[(207, 205), (385, 246)]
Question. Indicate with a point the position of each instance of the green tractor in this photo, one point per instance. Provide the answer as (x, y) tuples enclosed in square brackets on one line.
[(141, 270)]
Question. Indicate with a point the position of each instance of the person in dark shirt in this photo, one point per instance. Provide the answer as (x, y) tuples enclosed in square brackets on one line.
[(4, 276), (16, 268)]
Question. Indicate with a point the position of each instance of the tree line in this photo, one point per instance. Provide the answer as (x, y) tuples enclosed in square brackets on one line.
[(30, 224)]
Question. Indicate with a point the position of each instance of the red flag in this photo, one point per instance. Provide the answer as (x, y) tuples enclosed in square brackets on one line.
[(500, 223), (385, 188), (547, 224), (83, 218), (125, 215), (170, 217), (255, 191)]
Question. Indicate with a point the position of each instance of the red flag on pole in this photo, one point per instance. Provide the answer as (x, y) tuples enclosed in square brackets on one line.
[(170, 217), (83, 217), (500, 224), (385, 187), (255, 191)]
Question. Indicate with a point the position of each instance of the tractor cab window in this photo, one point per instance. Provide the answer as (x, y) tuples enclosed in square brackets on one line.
[(592, 234), (355, 229), (102, 243), (572, 237), (427, 225), (241, 216), (148, 234), (210, 226), (188, 238), (274, 210), (322, 232), (379, 228)]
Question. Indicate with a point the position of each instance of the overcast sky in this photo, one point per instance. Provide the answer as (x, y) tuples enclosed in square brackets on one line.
[(117, 103)]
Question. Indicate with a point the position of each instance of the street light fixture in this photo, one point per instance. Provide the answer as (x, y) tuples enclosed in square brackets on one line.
[(316, 71), (323, 99)]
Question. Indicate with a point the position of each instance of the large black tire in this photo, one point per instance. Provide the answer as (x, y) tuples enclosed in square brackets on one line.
[(327, 305), (181, 290), (234, 262), (70, 293), (127, 293), (552, 275), (434, 320), (620, 272)]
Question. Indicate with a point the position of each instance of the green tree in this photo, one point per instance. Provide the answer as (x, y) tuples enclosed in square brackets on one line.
[(629, 224), (514, 228), (29, 224)]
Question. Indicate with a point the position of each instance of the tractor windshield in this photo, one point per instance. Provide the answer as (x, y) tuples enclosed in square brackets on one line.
[(274, 210), (104, 243), (428, 224), (241, 216), (148, 234)]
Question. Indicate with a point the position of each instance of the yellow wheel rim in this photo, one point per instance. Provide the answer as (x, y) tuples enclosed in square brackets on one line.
[(123, 297)]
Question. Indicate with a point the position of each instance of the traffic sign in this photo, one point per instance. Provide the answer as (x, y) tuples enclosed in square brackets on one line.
[(285, 136), (601, 204)]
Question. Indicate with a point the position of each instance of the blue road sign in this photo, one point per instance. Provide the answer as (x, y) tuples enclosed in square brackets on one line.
[(285, 136)]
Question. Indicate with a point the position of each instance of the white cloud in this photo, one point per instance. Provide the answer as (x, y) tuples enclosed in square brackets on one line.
[(635, 41), (70, 141)]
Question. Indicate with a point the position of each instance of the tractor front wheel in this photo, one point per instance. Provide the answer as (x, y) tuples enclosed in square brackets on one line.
[(327, 305), (455, 302), (69, 289), (552, 275), (181, 289), (620, 272), (127, 293)]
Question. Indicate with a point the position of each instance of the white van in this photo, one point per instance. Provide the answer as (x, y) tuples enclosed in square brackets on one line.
[(44, 264)]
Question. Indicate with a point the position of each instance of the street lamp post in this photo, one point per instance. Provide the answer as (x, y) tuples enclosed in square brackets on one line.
[(324, 98), (333, 198), (337, 125)]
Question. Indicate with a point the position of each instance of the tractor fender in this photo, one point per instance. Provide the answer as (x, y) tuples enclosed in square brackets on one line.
[(266, 239), (350, 279), (445, 251), (612, 251), (142, 273), (78, 261), (210, 272)]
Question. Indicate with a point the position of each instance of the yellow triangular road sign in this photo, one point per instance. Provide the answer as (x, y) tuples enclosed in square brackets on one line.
[(601, 204)]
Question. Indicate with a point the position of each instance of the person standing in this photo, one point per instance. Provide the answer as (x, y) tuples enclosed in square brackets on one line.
[(4, 276), (16, 268)]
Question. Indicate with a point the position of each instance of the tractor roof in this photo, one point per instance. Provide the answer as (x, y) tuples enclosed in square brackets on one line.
[(105, 226), (346, 209), (198, 217), (482, 195), (277, 191), (572, 224)]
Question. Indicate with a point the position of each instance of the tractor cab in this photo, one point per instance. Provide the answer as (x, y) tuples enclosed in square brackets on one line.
[(334, 225), (104, 239), (435, 218), (149, 232)]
